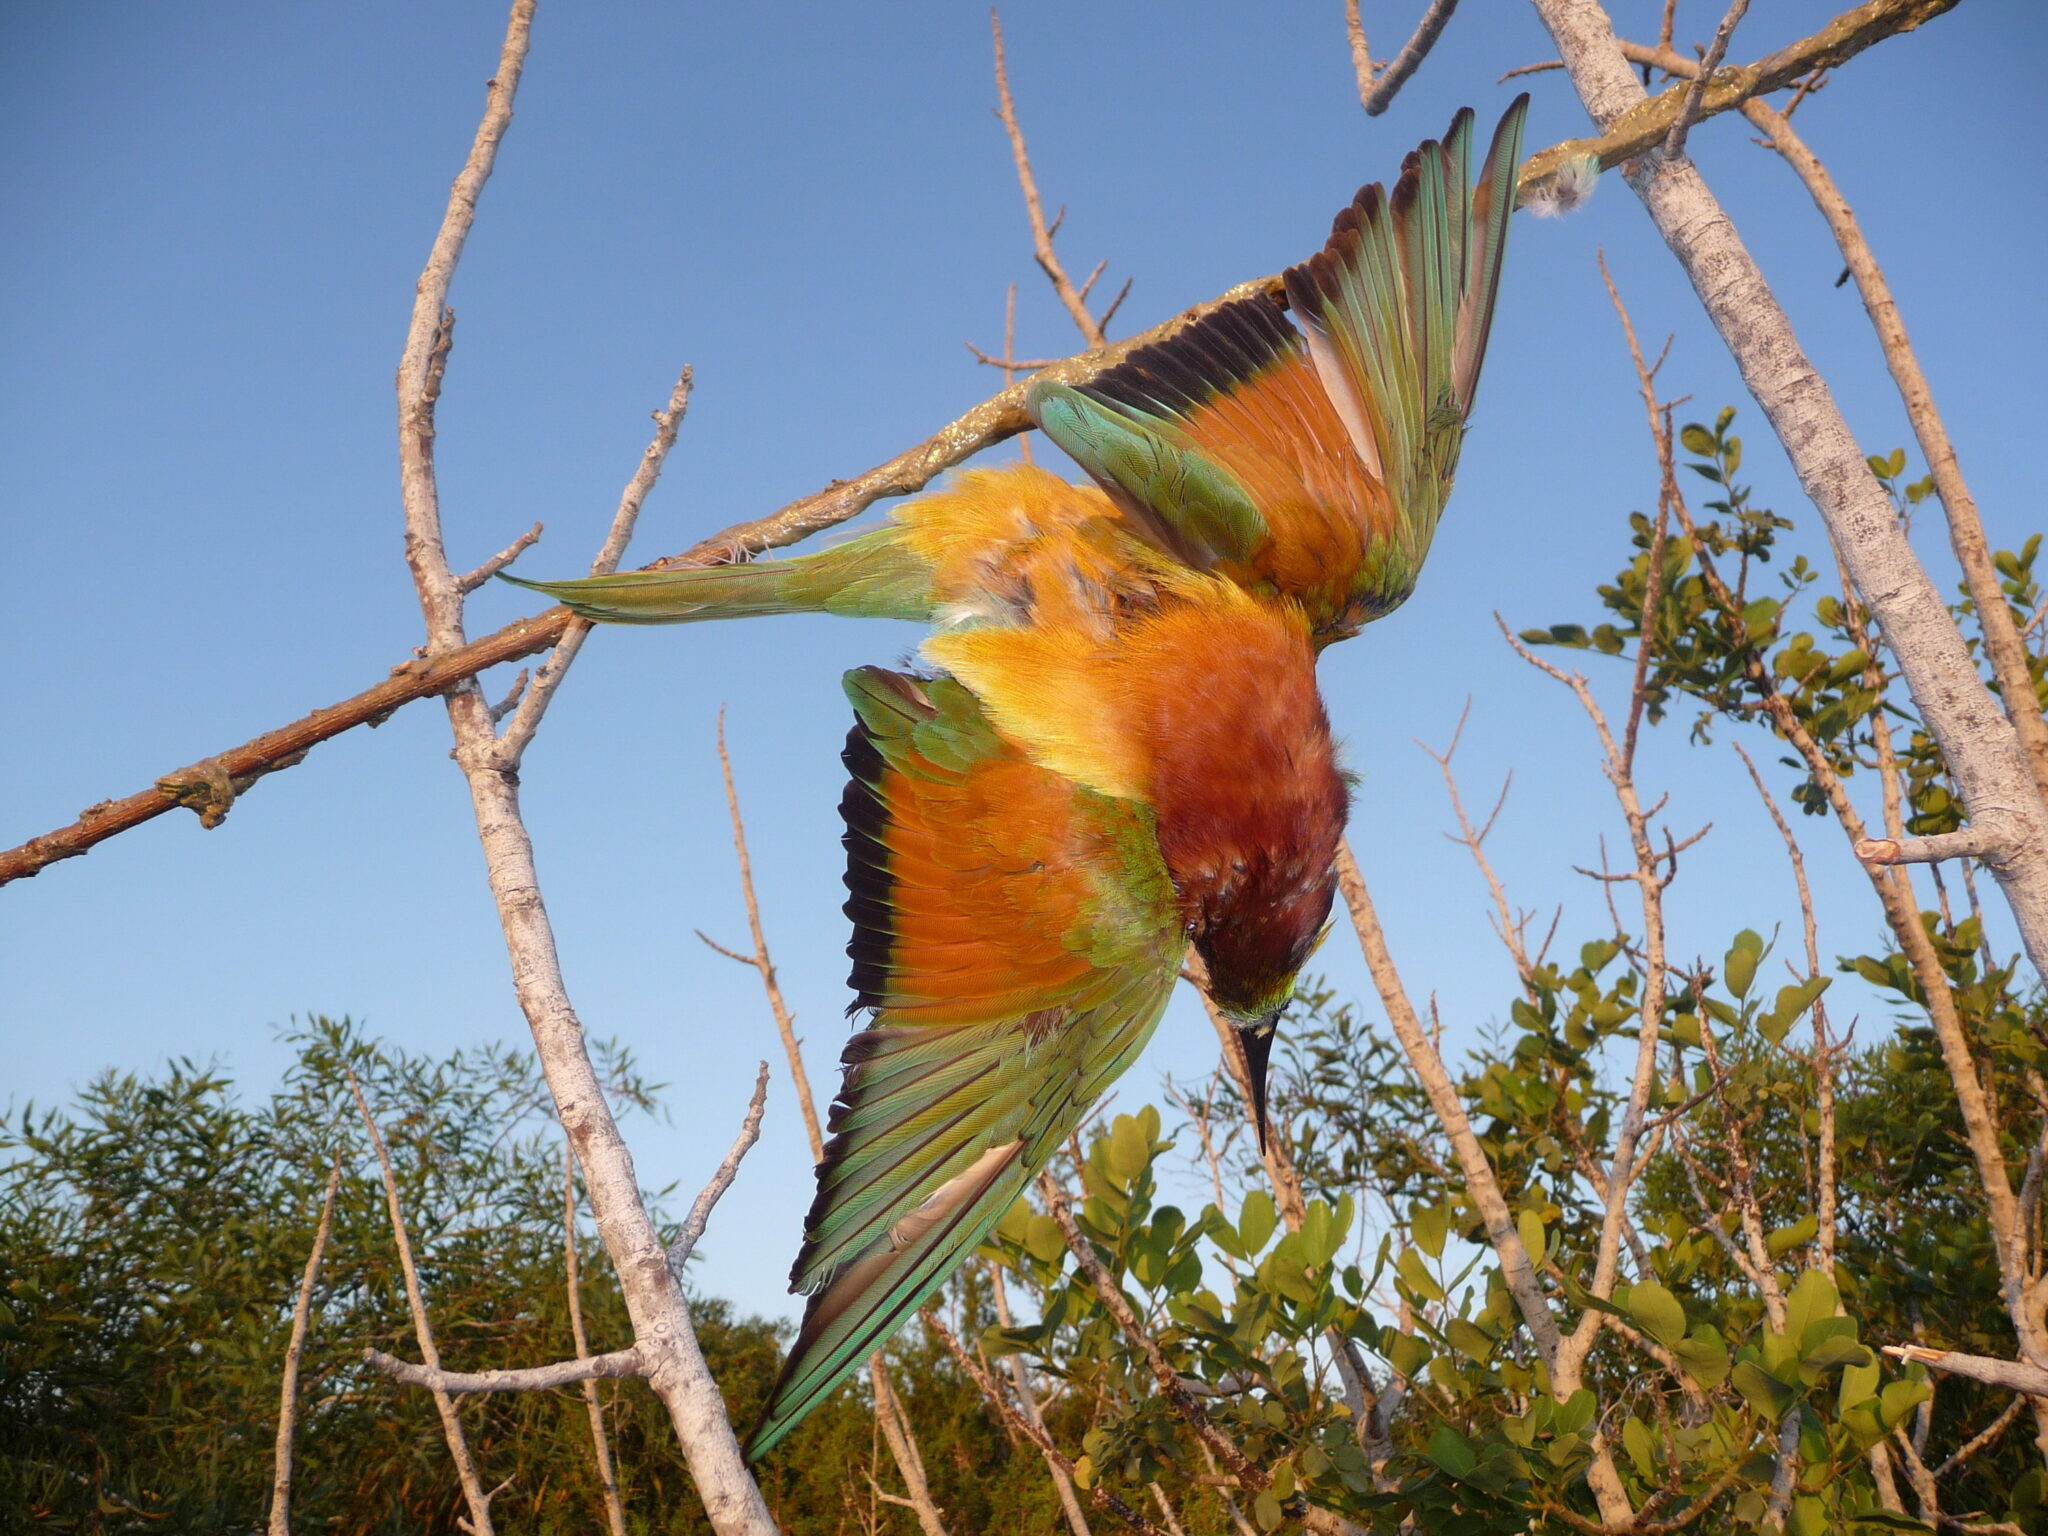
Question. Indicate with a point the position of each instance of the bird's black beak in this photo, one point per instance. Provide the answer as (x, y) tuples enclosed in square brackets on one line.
[(1257, 1040)]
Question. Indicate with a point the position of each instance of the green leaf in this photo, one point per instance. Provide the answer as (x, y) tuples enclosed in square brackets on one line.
[(1836, 1349), (1657, 1311), (1406, 1353), (1256, 1219), (1452, 1451), (1705, 1361), (1859, 1384), (1267, 1512), (1428, 1225), (1809, 1517), (1130, 1148), (1768, 1395), (1410, 1268), (1884, 1519), (1641, 1448), (1813, 1298), (1469, 1339), (1738, 970), (1529, 1227), (1043, 1239), (1697, 439), (1782, 1240), (1900, 1398), (1576, 1411)]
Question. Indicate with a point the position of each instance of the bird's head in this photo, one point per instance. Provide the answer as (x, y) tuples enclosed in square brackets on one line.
[(1254, 940)]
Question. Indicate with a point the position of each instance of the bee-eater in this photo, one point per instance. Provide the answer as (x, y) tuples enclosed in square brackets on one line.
[(1124, 751), (1018, 927)]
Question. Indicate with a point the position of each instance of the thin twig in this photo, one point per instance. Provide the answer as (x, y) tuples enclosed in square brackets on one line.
[(1041, 236), (667, 423), (500, 561), (1249, 1473), (601, 1449), (288, 1390), (1674, 142), (785, 1022), (479, 1520), (1407, 61), (1361, 55), (1020, 1378), (700, 1213)]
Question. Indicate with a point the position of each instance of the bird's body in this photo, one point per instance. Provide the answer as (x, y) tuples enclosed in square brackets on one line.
[(1121, 751)]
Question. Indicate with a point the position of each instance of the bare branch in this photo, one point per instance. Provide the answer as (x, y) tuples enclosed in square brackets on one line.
[(896, 1430), (785, 1023), (1644, 127), (1041, 236), (1020, 1378), (451, 1425), (538, 1378), (500, 561), (288, 1389), (1972, 842), (1674, 142), (1405, 63), (667, 423), (2012, 1375), (667, 1344), (700, 1213)]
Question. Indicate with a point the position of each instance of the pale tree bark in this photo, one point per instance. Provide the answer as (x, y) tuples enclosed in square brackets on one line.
[(1978, 743), (2003, 643), (664, 1339)]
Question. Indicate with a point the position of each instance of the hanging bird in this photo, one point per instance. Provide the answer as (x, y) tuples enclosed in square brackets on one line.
[(1311, 467), (1123, 751)]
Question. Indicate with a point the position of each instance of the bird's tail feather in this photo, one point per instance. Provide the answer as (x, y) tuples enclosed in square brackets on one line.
[(874, 576)]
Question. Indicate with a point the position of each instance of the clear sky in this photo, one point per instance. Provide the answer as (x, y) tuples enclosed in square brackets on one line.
[(215, 215)]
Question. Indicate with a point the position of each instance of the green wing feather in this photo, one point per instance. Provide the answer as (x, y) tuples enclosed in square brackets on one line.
[(1318, 465), (876, 575), (991, 1038), (1193, 506), (1397, 307)]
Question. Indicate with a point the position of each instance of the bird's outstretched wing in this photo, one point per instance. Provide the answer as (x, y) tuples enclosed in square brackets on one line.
[(1317, 466), (1017, 936)]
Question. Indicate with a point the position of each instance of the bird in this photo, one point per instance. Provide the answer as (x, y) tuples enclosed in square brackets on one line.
[(1113, 748)]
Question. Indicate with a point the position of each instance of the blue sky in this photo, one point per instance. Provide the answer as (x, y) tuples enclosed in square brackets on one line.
[(216, 215)]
